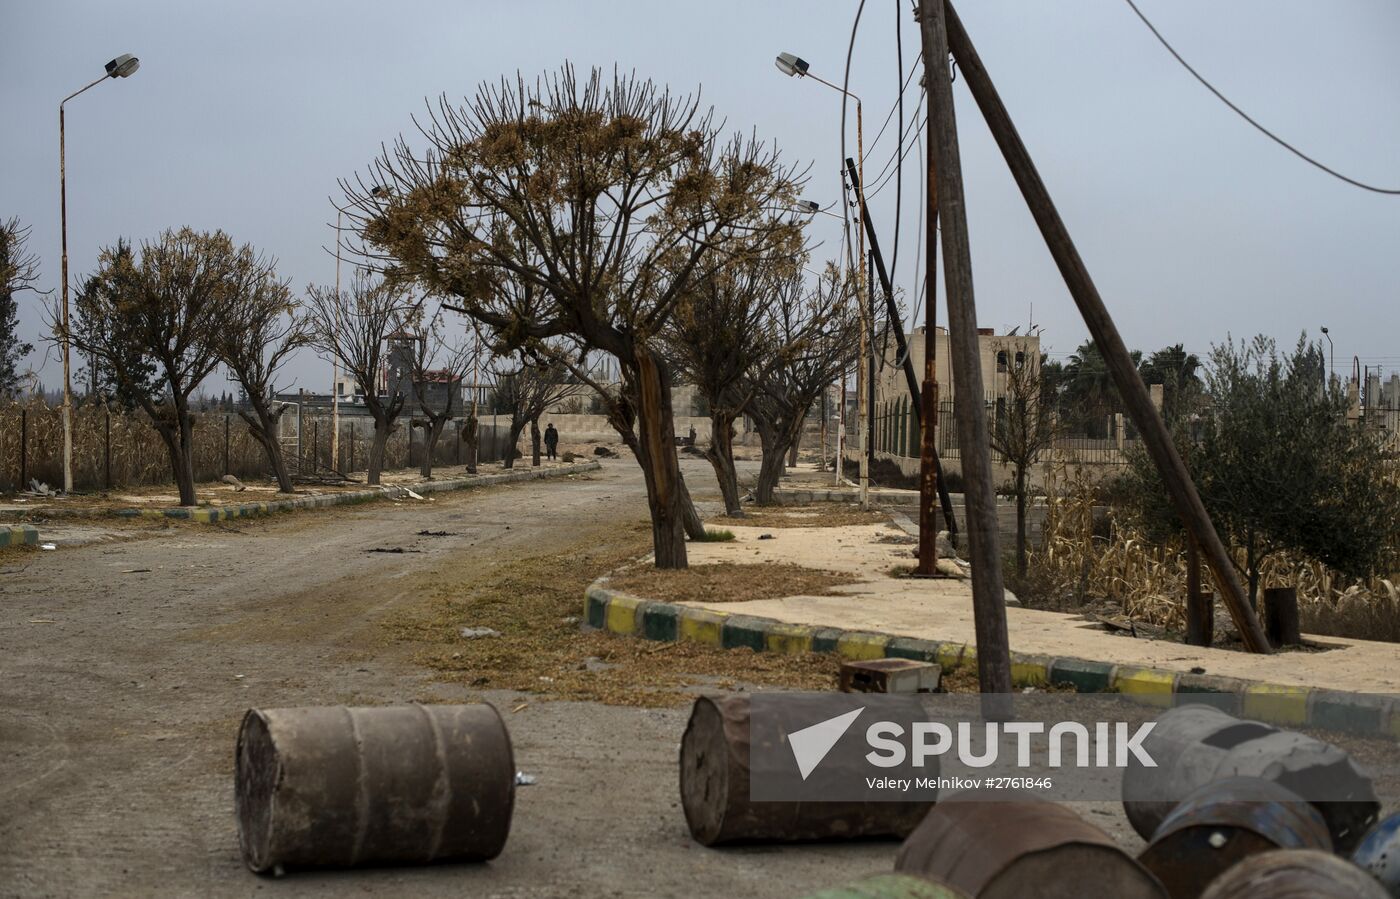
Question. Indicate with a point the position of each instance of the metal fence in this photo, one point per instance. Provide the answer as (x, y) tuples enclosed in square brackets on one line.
[(113, 448)]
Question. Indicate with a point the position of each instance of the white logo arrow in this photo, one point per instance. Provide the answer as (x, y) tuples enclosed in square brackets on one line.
[(811, 744)]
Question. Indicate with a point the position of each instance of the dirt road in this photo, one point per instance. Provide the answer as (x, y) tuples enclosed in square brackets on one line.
[(125, 666)]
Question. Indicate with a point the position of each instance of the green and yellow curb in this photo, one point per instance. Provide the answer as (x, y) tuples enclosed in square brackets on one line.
[(18, 535), (1281, 704)]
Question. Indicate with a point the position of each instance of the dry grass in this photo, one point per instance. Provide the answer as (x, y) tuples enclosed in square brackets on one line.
[(1080, 565), (729, 582), (815, 515), (535, 602)]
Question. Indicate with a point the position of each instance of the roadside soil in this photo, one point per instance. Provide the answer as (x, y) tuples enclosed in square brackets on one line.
[(126, 665)]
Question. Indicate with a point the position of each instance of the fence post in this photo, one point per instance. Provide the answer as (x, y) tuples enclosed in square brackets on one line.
[(351, 467), (226, 468), (107, 447), (315, 445), (23, 449)]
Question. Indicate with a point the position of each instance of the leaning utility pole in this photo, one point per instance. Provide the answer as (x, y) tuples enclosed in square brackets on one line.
[(979, 495), (1155, 437)]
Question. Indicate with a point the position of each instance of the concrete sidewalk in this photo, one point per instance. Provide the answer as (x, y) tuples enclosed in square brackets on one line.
[(886, 615)]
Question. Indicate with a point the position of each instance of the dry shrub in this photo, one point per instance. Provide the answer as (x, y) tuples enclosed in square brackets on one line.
[(1090, 557)]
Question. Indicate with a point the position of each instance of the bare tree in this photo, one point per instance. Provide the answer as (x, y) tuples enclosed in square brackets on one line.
[(269, 329), (526, 391), (150, 320), (601, 200), (19, 270), (815, 329), (355, 327), (440, 364), (1023, 429), (719, 341)]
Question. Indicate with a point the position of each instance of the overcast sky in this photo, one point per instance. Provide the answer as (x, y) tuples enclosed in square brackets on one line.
[(243, 115)]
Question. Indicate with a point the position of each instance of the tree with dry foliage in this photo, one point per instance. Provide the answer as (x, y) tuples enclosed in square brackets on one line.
[(150, 318), (19, 271), (270, 328), (354, 327), (577, 207), (1023, 430), (815, 328)]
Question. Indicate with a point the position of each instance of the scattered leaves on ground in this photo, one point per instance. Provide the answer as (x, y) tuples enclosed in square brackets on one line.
[(729, 582)]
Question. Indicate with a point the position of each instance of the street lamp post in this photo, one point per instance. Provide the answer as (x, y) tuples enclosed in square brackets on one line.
[(794, 66), (121, 67), (1332, 351)]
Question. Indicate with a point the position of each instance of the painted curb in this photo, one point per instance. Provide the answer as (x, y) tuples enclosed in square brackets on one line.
[(210, 514), (18, 535), (1280, 704)]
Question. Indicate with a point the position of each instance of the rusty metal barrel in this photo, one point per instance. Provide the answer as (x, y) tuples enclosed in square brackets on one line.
[(714, 782), (1196, 744), (1379, 853), (1294, 874), (336, 786), (1223, 822), (1022, 846)]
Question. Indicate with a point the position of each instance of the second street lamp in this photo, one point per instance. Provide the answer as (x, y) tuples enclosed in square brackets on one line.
[(121, 67), (794, 66)]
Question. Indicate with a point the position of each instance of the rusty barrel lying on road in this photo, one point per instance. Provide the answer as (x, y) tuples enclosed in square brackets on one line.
[(1294, 874), (337, 786), (1379, 853), (1017, 846), (1224, 822), (1196, 744), (714, 780)]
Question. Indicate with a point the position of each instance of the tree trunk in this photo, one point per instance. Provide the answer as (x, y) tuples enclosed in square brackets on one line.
[(694, 524), (770, 469), (382, 430), (263, 427), (181, 458), (656, 451), (513, 442), (431, 432), (1281, 616), (471, 436), (535, 442), (1020, 521), (721, 456), (792, 450)]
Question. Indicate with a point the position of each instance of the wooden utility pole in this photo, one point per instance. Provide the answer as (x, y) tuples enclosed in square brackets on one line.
[(979, 496), (1091, 306), (930, 471)]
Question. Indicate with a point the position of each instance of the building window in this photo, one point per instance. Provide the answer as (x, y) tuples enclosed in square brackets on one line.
[(1001, 360)]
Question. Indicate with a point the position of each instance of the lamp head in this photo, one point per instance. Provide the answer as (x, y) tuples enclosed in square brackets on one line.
[(123, 66), (791, 64)]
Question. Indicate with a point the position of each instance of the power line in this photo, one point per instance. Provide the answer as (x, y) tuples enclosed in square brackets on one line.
[(1244, 115)]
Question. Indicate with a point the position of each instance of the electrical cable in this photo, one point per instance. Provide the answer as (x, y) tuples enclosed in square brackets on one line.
[(1244, 115)]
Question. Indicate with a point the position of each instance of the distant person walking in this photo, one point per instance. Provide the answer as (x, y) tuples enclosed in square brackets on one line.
[(551, 442)]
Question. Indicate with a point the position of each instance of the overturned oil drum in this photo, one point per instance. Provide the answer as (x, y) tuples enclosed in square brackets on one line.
[(1226, 821), (1011, 848), (714, 783), (890, 886), (1379, 853), (1294, 874), (336, 786), (1196, 744)]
